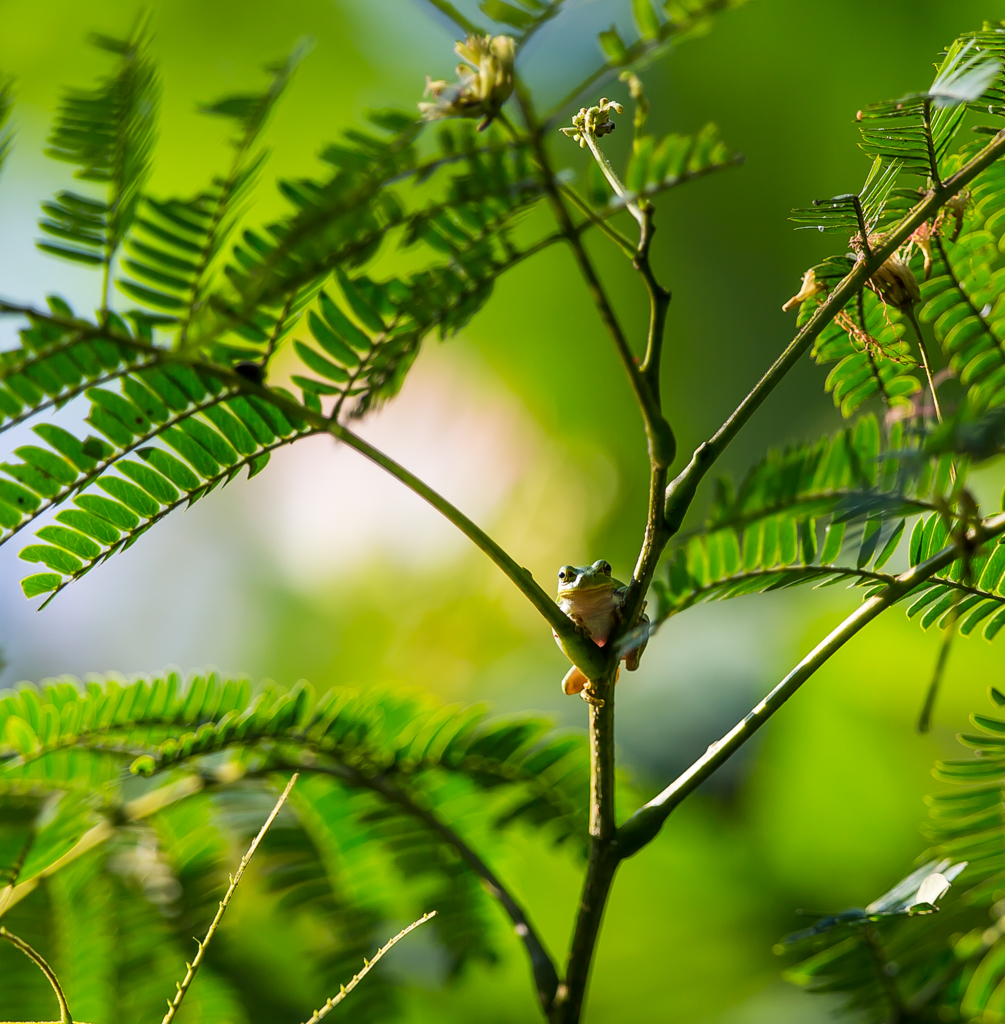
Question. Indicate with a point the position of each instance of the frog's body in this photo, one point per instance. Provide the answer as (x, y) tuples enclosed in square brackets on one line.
[(593, 599)]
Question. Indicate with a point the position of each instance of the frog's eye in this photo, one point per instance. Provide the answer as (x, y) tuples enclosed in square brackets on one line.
[(605, 568), (566, 573)]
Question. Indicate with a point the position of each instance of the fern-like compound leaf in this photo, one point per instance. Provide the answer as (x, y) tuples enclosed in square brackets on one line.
[(176, 244), (165, 436), (108, 133)]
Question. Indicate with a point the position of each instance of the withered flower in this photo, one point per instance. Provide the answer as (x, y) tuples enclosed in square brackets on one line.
[(895, 283), (810, 287), (484, 83)]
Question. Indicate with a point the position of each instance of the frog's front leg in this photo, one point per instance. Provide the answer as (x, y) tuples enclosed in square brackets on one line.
[(581, 627)]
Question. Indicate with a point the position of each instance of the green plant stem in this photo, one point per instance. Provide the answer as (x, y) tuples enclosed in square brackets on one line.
[(598, 220), (601, 868), (682, 490), (612, 178), (446, 8), (659, 304), (186, 982), (367, 965), (683, 22), (922, 348), (925, 718), (643, 826), (662, 444), (586, 655), (34, 955)]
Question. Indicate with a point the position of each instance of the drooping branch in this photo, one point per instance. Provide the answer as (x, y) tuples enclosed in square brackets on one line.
[(36, 957), (586, 655), (643, 826), (545, 975)]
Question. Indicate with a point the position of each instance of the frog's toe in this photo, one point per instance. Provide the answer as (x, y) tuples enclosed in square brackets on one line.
[(573, 682)]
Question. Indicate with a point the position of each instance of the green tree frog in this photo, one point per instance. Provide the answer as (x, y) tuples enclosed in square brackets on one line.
[(593, 599)]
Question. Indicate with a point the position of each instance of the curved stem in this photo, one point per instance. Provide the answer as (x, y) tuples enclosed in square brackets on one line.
[(612, 178), (662, 444), (659, 304), (643, 826), (34, 955), (598, 220), (545, 975), (586, 655)]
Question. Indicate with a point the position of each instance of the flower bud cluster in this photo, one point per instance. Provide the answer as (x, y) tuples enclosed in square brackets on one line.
[(593, 121), (484, 83)]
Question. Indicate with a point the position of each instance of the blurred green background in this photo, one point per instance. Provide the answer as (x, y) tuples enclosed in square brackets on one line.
[(322, 568)]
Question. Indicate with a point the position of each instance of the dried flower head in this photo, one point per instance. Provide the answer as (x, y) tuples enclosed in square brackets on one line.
[(484, 83), (810, 287), (894, 282), (593, 121)]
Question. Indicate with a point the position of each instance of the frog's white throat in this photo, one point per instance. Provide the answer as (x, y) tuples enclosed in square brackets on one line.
[(594, 608)]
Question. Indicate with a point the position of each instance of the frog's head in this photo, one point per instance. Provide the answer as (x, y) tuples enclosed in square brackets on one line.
[(586, 577)]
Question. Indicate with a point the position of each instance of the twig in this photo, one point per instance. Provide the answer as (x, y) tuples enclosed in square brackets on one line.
[(662, 444), (922, 348), (367, 964), (235, 879), (450, 12), (64, 1009), (644, 825)]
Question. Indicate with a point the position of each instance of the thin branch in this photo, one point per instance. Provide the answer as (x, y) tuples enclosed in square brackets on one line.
[(662, 444), (644, 825), (682, 490), (449, 11), (186, 982), (590, 658), (618, 187), (639, 50), (597, 219), (64, 1009), (587, 656), (659, 304), (923, 349), (367, 965), (933, 163)]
